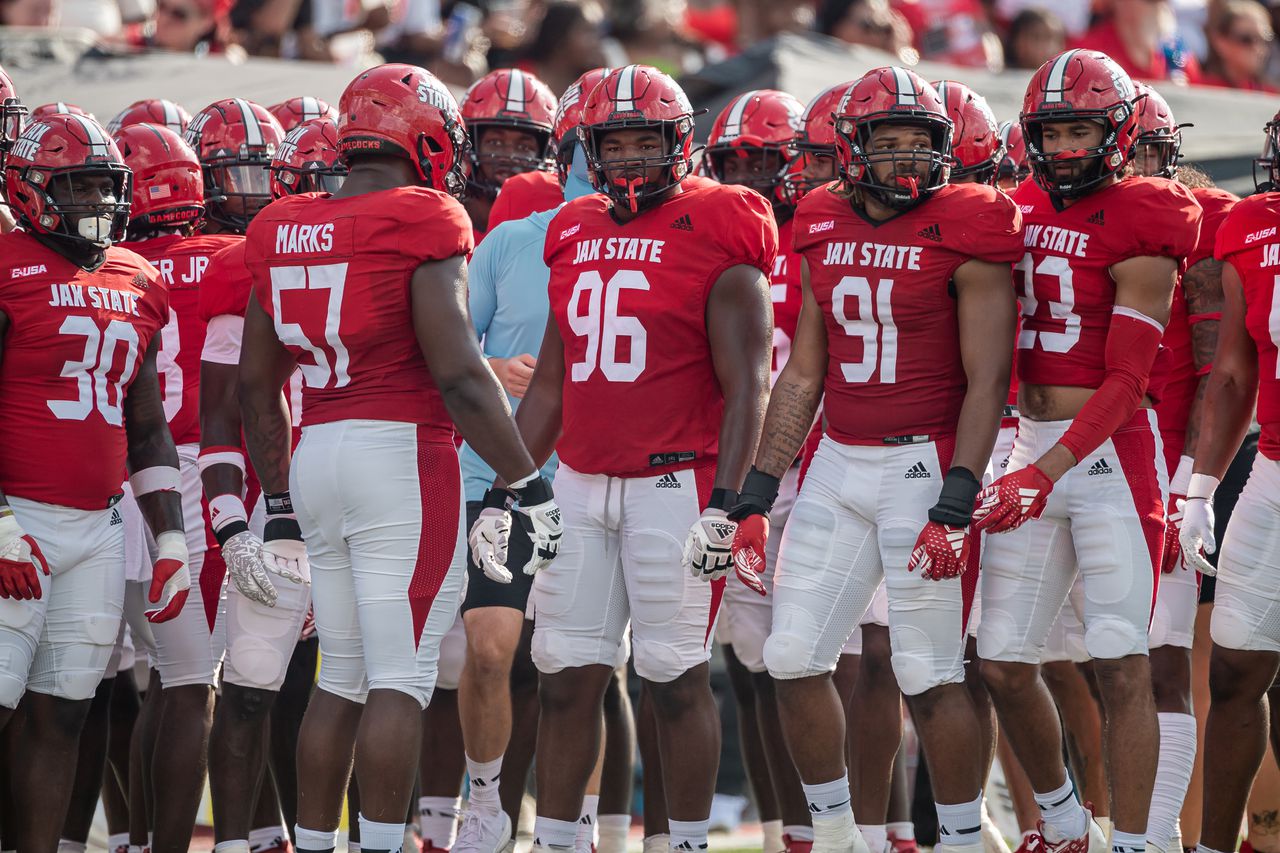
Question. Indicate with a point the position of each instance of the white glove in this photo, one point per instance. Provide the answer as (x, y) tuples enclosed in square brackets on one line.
[(243, 555), (488, 539), (1196, 536), (170, 578), (708, 549), (540, 517), (287, 558)]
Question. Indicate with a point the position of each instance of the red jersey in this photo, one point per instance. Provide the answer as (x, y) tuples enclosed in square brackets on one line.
[(1250, 242), (893, 343), (787, 293), (1179, 377), (525, 194), (181, 262), (1064, 279), (226, 285), (640, 391), (334, 275), (74, 344)]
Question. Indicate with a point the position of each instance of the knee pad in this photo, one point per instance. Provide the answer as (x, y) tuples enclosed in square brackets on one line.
[(74, 684), (420, 692), (996, 637), (1230, 627), (1110, 638), (788, 656), (453, 655), (254, 662), (658, 662), (12, 686), (553, 651), (917, 674)]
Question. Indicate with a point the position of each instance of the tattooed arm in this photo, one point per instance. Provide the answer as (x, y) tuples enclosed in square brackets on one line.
[(1202, 286), (794, 401), (265, 365)]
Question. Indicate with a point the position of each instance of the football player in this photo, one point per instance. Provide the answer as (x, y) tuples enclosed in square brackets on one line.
[(59, 108), (168, 208), (907, 328), (660, 310), (1013, 168), (1246, 645), (1189, 339), (301, 110), (12, 117), (387, 372), (80, 321), (509, 115), (1095, 284), (751, 145), (152, 111)]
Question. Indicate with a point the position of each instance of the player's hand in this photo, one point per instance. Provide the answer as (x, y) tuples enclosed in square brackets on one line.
[(242, 553), (540, 517), (170, 578), (708, 549), (284, 553), (20, 556), (308, 625), (941, 551), (1013, 499), (1196, 534), (1171, 552), (514, 373), (755, 501), (490, 535)]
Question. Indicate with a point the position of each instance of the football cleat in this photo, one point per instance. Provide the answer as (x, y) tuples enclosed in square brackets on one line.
[(483, 832)]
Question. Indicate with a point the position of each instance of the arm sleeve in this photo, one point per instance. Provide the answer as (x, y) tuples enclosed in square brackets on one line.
[(222, 339)]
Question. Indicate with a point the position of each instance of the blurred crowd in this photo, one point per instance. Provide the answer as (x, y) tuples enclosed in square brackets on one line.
[(1225, 43)]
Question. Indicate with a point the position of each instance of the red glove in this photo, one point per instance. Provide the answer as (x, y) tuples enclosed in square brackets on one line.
[(941, 551), (1011, 500), (19, 556), (170, 580), (1171, 555), (308, 625), (748, 551)]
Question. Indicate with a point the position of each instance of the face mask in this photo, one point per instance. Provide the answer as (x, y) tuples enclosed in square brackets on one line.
[(577, 184)]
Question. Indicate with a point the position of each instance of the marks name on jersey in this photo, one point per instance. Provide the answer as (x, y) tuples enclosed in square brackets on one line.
[(880, 255), (293, 239), (92, 296), (1051, 238), (619, 249)]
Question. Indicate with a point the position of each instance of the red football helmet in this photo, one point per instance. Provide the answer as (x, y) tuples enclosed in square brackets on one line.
[(307, 161), (404, 111), (638, 97), (564, 128), (235, 140), (59, 108), (168, 184), (1013, 165), (1158, 132), (893, 96), (152, 111), (763, 123), (40, 176), (514, 99), (1080, 85), (975, 140), (295, 111), (815, 139), (1269, 162), (12, 115)]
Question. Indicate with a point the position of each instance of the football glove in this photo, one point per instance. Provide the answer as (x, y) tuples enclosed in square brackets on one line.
[(941, 551), (708, 549), (1171, 552), (755, 501), (284, 554), (540, 517), (1013, 499), (20, 556), (1196, 534), (491, 534), (242, 552), (170, 578)]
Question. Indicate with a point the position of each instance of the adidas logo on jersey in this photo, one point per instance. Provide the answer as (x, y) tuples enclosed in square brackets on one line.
[(917, 472), (933, 232), (667, 481), (115, 518), (684, 223), (1099, 218), (1099, 467)]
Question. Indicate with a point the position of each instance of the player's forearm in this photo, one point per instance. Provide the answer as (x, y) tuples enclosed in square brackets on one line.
[(479, 409), (793, 403), (744, 410), (1227, 412), (539, 419), (979, 421), (267, 434), (219, 427), (1194, 418)]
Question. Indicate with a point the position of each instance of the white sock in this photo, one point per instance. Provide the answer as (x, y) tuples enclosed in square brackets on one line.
[(1128, 842), (375, 836), (876, 836), (548, 832), (65, 846), (613, 833), (266, 837), (689, 834), (960, 823), (115, 842), (1173, 775), (315, 840), (1063, 816), (903, 830), (239, 845), (484, 784), (438, 820), (587, 824), (772, 831), (828, 801)]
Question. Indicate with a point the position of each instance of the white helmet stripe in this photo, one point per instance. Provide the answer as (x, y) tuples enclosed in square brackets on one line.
[(942, 91), (98, 141), (62, 108), (252, 129), (172, 120), (515, 92), (626, 94), (906, 89), (310, 108), (733, 124), (1054, 85)]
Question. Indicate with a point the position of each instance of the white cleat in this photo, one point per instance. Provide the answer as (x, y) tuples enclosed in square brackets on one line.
[(660, 843), (483, 832), (992, 839), (839, 836)]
